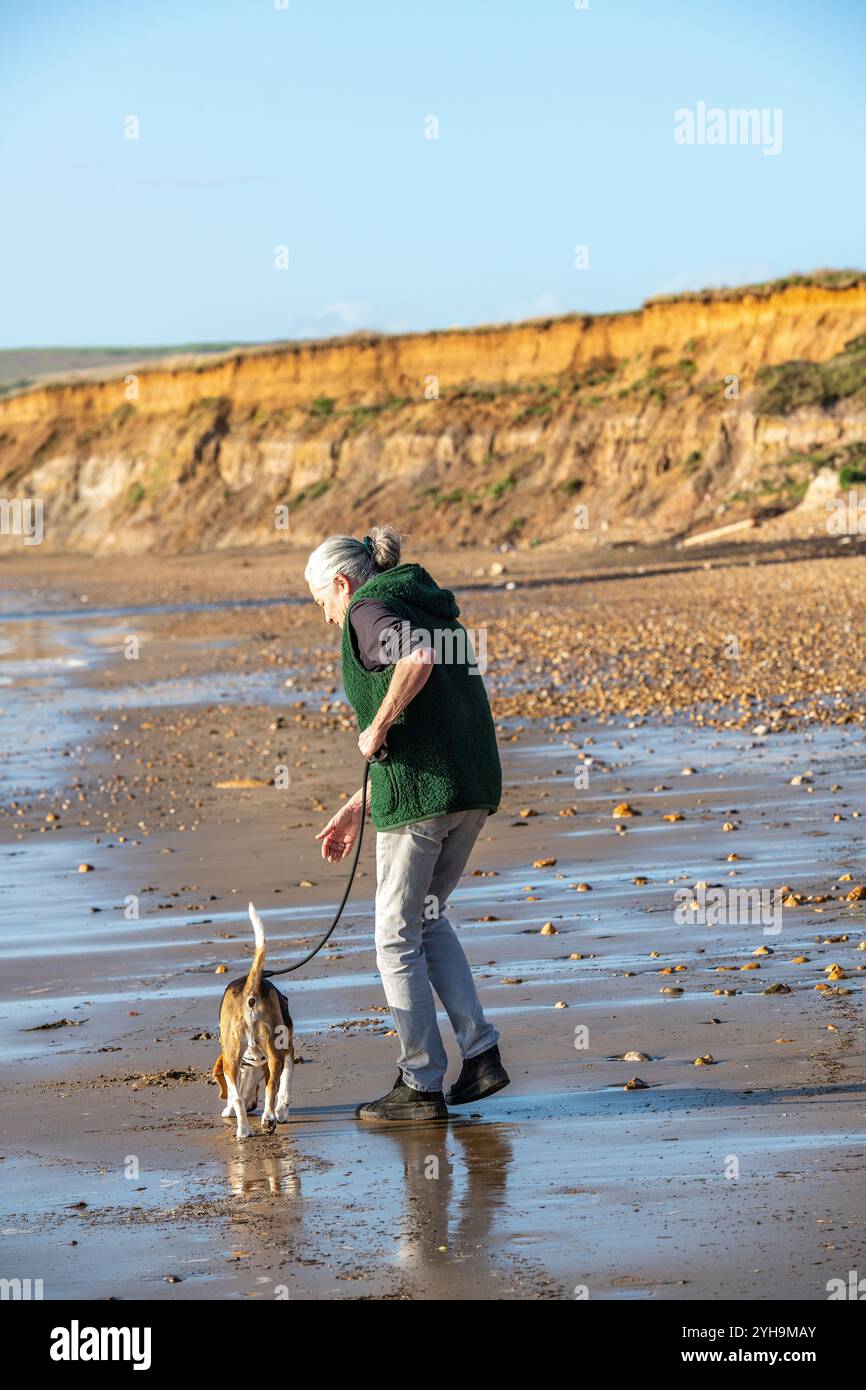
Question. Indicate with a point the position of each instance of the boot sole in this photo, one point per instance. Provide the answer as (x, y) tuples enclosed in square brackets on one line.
[(403, 1113), (480, 1091)]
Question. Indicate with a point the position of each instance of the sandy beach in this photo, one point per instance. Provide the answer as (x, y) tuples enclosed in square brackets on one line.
[(738, 1178)]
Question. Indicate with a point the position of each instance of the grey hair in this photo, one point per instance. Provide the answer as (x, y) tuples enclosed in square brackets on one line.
[(348, 556)]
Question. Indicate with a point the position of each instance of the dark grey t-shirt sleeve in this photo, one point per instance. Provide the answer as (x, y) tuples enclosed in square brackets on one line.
[(382, 636)]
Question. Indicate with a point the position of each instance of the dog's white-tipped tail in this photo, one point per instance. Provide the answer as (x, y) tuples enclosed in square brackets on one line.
[(258, 927), (253, 984)]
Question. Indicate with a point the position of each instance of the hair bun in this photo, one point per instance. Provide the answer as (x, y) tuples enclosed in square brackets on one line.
[(385, 545)]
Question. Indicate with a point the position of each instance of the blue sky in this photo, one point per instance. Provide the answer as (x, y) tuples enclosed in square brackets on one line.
[(305, 127)]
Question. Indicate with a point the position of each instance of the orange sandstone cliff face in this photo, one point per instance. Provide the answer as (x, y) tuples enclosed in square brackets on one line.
[(577, 430)]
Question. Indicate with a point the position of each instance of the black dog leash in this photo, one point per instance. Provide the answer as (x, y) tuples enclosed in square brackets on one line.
[(379, 756)]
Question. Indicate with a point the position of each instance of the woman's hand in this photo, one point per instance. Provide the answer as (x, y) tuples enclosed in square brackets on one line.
[(340, 833), (371, 740)]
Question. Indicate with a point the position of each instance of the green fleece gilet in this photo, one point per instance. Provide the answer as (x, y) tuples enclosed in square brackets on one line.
[(442, 753)]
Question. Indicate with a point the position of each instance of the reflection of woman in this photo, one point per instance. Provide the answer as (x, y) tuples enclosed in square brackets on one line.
[(428, 800)]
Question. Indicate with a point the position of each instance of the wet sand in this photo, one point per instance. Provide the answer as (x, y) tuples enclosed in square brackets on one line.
[(736, 1179)]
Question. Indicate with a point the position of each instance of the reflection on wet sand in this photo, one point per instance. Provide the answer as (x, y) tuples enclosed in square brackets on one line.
[(447, 1205), (424, 1198), (250, 1174)]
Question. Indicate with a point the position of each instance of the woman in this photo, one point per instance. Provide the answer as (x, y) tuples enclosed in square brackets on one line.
[(410, 675)]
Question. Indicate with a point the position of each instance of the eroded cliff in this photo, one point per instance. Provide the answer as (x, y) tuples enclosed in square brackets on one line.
[(685, 414)]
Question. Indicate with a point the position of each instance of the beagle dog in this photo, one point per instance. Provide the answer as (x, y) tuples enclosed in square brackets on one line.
[(256, 1037)]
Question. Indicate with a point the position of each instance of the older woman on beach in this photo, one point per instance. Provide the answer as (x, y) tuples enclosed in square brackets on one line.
[(409, 674)]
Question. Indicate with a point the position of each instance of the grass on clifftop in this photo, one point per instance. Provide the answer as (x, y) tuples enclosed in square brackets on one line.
[(816, 279)]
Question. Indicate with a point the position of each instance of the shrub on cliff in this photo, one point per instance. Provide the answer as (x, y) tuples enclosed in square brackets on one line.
[(788, 385)]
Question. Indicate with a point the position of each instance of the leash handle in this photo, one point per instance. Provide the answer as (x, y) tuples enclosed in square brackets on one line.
[(378, 756)]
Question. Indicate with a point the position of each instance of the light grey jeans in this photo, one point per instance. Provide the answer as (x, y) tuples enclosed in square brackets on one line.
[(417, 949)]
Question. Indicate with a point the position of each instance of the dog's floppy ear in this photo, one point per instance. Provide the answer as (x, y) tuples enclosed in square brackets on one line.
[(219, 1077)]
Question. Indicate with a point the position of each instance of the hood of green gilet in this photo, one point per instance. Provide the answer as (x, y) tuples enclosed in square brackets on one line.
[(413, 585)]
